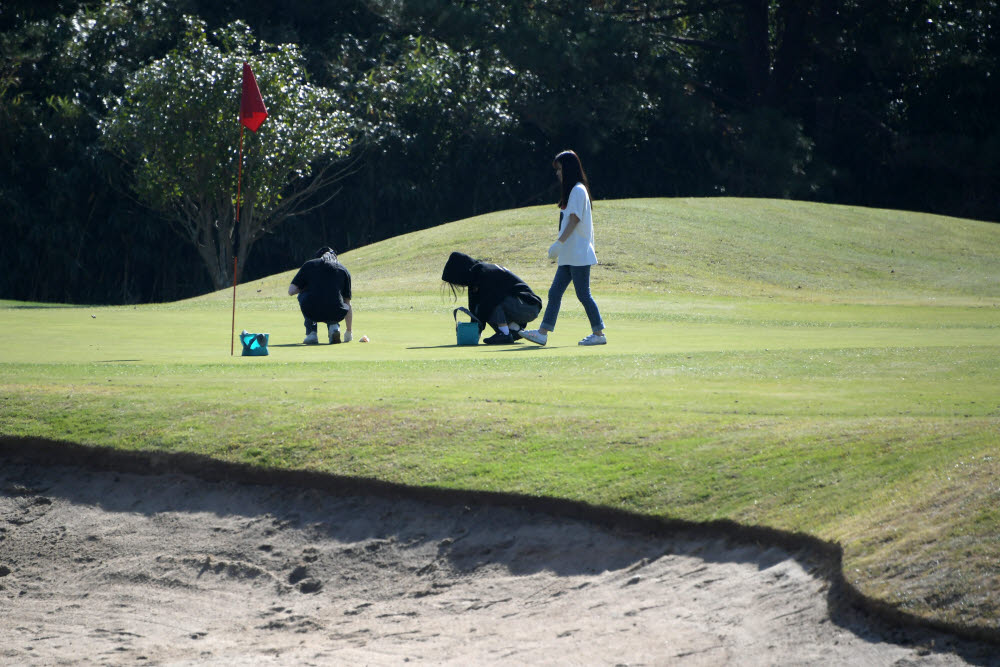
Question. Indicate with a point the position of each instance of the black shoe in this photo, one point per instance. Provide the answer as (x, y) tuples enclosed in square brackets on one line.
[(499, 339)]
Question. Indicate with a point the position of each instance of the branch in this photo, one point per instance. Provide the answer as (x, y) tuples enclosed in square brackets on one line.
[(687, 41), (289, 205), (644, 15)]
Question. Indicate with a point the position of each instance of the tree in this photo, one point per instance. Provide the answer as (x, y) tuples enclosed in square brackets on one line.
[(434, 120), (177, 127), (75, 236), (620, 83)]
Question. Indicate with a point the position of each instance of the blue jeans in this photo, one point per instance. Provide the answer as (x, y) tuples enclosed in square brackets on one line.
[(580, 277), (513, 309)]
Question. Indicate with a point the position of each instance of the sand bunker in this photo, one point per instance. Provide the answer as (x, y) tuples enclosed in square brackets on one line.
[(119, 568)]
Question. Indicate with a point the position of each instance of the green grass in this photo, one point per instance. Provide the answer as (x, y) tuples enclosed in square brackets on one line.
[(824, 369)]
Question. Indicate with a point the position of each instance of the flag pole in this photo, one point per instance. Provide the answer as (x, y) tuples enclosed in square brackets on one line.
[(252, 114), (239, 184), (232, 333)]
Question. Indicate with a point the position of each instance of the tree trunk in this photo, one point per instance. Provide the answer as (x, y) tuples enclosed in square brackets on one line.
[(795, 31), (756, 51), (214, 244)]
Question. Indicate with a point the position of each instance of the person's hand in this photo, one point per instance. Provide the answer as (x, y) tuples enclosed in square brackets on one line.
[(348, 337), (554, 250)]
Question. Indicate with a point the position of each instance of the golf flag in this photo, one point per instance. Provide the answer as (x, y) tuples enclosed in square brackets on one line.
[(252, 111), (252, 114)]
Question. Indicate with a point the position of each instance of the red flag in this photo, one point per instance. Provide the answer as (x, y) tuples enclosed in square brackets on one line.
[(252, 111)]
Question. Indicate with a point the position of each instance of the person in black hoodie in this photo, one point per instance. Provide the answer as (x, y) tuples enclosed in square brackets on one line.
[(496, 296), (323, 286)]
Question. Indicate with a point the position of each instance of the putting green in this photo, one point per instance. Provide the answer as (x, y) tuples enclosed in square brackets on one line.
[(822, 369)]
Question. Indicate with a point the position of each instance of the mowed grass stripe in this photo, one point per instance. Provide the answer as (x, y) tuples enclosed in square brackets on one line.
[(831, 370)]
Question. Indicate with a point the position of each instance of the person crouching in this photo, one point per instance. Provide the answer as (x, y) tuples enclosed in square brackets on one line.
[(323, 286), (496, 296)]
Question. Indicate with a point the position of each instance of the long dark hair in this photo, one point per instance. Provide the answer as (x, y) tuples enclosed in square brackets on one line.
[(572, 173)]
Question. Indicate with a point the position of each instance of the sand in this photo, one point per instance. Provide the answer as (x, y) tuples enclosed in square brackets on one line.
[(120, 568)]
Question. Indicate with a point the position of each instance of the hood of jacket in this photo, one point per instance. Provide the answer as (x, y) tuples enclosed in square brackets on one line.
[(458, 269)]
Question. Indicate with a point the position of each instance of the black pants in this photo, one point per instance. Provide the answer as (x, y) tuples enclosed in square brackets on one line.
[(514, 309), (327, 318)]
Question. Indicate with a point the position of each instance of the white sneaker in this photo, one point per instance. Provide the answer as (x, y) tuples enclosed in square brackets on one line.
[(534, 336), (311, 338), (348, 337), (594, 339)]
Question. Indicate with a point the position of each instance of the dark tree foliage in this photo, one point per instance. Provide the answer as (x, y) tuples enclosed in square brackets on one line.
[(179, 148), (459, 105), (910, 100), (72, 234)]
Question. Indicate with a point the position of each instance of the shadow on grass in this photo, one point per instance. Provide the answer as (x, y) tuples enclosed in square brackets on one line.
[(22, 460), (500, 348), (303, 345), (437, 347)]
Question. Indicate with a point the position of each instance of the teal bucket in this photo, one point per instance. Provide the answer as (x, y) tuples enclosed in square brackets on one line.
[(254, 345), (466, 333)]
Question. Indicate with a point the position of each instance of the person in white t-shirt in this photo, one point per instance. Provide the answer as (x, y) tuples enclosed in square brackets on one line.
[(574, 250)]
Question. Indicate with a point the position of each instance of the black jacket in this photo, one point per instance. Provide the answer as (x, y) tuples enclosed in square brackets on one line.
[(325, 284), (489, 284)]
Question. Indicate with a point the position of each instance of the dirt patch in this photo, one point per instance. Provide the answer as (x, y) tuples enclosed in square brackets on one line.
[(118, 568)]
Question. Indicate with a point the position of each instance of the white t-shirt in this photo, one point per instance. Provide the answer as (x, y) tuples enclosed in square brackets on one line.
[(578, 249)]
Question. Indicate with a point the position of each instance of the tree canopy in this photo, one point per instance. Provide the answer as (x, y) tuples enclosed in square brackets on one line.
[(176, 126), (454, 108)]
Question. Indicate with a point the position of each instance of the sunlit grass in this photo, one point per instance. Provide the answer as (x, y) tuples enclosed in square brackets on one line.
[(829, 370)]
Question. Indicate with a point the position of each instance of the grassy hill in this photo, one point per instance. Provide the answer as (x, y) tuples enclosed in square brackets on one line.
[(822, 369)]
